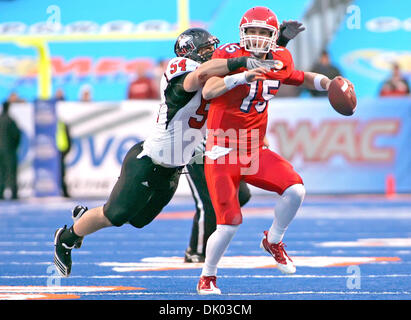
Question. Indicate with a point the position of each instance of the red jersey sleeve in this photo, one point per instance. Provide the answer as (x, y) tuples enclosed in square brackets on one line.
[(287, 73), (296, 78), (292, 77)]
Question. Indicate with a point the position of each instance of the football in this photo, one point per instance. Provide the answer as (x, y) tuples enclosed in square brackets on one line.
[(342, 96)]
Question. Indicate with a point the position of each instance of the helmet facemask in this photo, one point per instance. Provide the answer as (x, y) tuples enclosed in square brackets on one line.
[(191, 44), (258, 44), (203, 57)]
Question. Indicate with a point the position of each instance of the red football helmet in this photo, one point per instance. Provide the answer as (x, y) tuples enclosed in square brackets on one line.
[(259, 17)]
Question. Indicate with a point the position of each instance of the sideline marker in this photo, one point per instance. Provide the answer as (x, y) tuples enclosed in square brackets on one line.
[(390, 186)]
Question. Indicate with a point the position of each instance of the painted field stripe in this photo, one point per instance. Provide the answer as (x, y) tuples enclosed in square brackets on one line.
[(308, 213), (377, 259), (241, 262), (42, 296), (372, 242), (35, 253), (56, 292), (60, 289), (295, 276), (348, 293), (22, 296)]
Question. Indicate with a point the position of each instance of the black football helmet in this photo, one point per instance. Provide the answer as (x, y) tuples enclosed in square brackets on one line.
[(191, 41)]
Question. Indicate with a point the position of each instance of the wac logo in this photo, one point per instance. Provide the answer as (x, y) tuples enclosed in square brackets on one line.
[(353, 140)]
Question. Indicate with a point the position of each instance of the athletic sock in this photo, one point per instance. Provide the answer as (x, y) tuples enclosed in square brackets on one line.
[(275, 234), (285, 211), (68, 237), (217, 244)]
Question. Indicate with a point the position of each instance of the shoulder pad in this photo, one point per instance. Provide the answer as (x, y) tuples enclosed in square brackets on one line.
[(283, 53), (178, 66), (281, 50), (226, 50)]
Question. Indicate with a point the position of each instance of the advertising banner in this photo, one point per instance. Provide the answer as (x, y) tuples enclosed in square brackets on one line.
[(339, 154), (101, 135), (370, 40), (333, 154)]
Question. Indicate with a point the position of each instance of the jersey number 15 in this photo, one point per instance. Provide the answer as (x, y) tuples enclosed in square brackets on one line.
[(261, 91)]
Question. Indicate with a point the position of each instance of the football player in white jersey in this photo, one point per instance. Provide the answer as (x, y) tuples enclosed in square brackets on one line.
[(151, 169)]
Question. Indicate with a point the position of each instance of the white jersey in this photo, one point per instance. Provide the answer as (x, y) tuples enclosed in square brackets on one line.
[(181, 119)]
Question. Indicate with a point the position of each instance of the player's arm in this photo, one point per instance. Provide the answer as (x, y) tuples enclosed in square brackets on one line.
[(195, 80), (316, 81), (217, 86), (220, 67)]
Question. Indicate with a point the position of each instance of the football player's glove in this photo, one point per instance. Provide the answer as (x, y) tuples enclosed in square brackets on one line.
[(249, 63), (253, 63), (289, 30)]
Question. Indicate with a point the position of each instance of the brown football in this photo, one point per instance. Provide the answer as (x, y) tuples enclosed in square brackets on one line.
[(342, 96)]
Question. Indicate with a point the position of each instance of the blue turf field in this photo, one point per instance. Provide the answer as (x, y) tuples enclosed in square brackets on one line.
[(344, 248)]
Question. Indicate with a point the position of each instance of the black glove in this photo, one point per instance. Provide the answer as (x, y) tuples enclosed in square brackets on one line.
[(289, 30)]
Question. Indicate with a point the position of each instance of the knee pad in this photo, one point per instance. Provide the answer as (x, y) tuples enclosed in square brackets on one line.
[(229, 230), (226, 191), (295, 193), (116, 217), (140, 221)]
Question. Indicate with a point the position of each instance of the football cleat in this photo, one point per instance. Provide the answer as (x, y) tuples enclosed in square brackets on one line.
[(62, 254), (284, 262), (208, 285), (76, 214), (193, 257)]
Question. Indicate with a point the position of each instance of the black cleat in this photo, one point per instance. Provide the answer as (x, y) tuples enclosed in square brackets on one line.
[(193, 257), (76, 214), (62, 254)]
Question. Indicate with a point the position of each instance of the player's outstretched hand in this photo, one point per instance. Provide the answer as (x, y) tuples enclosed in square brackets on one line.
[(253, 63), (291, 28), (256, 74)]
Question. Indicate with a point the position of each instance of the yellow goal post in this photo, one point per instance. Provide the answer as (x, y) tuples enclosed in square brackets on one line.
[(40, 43)]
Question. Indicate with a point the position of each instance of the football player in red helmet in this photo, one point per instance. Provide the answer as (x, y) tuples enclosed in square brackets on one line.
[(259, 31), (204, 220), (237, 123)]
